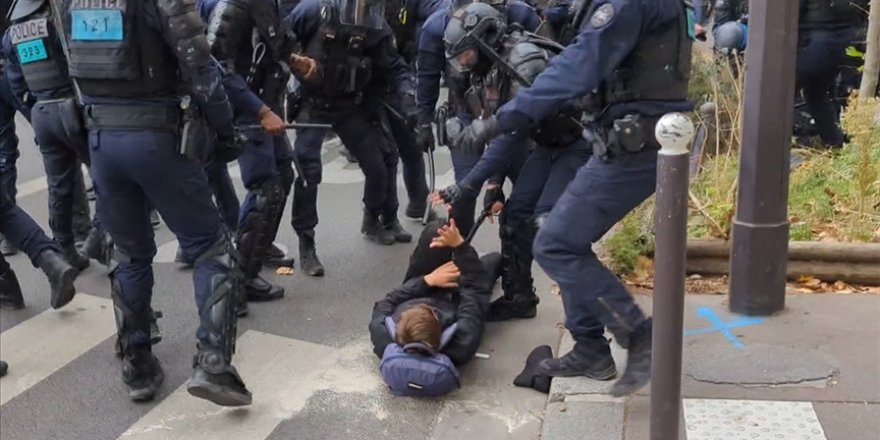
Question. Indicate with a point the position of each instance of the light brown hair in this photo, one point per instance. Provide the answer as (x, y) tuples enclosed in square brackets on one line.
[(419, 324)]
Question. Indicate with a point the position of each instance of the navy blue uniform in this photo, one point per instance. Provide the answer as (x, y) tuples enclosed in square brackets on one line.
[(9, 105), (353, 115), (59, 132), (430, 66), (603, 191), (21, 230)]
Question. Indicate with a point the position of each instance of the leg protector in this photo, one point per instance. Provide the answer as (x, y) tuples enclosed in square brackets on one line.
[(256, 231), (131, 328), (516, 261)]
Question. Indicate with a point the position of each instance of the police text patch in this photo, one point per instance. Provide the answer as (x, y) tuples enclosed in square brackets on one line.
[(96, 25), (602, 15), (29, 30)]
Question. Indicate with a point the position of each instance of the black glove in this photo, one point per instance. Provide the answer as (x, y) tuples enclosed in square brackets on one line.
[(294, 105), (452, 194), (410, 110), (425, 137), (227, 148), (493, 194), (472, 140)]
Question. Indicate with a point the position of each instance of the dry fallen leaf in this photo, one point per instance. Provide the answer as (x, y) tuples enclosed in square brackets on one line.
[(283, 270)]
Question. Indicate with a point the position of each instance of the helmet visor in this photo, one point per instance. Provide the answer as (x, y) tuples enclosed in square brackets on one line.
[(362, 13)]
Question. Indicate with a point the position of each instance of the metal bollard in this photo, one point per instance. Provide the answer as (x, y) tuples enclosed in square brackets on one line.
[(674, 132)]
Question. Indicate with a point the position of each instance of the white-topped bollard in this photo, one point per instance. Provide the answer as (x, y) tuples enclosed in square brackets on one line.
[(674, 133)]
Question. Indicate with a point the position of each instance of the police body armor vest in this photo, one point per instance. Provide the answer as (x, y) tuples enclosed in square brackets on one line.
[(831, 14), (35, 42), (527, 55), (339, 50), (666, 55), (114, 52)]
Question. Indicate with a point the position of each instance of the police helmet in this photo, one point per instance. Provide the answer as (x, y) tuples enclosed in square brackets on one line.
[(362, 13), (455, 5), (730, 38), (475, 22)]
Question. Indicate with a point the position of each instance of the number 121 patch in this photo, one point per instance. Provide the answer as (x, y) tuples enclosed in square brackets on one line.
[(96, 25)]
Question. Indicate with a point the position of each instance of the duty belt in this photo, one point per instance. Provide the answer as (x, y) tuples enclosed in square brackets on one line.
[(133, 117)]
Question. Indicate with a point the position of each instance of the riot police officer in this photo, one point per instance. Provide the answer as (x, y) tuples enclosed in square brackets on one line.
[(406, 18), (730, 31), (348, 57), (23, 232), (636, 56), (131, 72), (431, 65), (37, 65), (248, 40), (825, 29), (505, 63)]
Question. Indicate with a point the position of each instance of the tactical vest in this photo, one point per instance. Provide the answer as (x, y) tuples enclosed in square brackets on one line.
[(114, 52), (341, 55), (830, 14), (36, 44), (657, 69), (525, 55)]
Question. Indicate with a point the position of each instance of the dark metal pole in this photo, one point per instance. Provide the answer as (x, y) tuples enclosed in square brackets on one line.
[(674, 133), (759, 254)]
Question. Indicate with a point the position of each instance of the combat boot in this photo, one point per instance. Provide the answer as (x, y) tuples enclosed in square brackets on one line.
[(98, 246), (60, 274), (638, 362), (373, 230), (257, 289), (10, 291), (308, 256), (393, 225), (216, 380), (74, 258), (589, 357), (181, 258), (275, 258), (142, 372), (6, 247), (519, 299)]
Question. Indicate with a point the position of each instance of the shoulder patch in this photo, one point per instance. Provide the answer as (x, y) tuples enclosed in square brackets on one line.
[(602, 15)]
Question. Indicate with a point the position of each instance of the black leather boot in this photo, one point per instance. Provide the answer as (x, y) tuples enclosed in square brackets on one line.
[(308, 256), (4, 367), (216, 380), (257, 289), (275, 258), (141, 371), (98, 246), (373, 230), (519, 300), (10, 291), (638, 362), (400, 235), (590, 358), (60, 274), (76, 259)]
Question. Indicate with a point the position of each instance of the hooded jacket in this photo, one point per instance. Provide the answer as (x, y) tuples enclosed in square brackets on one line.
[(467, 305)]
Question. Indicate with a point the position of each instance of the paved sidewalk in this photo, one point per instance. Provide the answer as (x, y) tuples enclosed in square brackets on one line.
[(810, 373)]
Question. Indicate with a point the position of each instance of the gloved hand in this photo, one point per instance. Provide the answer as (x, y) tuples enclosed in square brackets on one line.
[(473, 139), (425, 137), (494, 194), (228, 147), (451, 194), (409, 108)]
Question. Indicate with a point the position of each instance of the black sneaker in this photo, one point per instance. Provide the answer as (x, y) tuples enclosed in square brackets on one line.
[(181, 258), (638, 362), (243, 308), (216, 381), (142, 373), (258, 289), (504, 309), (591, 359)]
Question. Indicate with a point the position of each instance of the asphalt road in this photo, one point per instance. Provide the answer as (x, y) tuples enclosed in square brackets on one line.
[(306, 358)]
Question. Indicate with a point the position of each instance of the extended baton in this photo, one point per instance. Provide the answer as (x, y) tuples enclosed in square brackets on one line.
[(293, 126), (483, 215), (432, 172)]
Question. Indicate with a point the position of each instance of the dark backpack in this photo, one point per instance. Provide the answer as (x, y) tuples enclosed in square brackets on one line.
[(415, 369)]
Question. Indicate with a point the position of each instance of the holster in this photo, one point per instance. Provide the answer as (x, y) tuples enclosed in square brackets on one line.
[(629, 134), (71, 116), (194, 134)]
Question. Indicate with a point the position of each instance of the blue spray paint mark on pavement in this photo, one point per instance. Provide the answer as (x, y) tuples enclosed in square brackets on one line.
[(719, 325)]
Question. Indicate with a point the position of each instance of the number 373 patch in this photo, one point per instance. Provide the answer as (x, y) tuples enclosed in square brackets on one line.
[(602, 16)]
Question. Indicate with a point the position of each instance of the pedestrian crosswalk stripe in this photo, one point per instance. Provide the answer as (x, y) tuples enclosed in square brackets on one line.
[(47, 342), (282, 374)]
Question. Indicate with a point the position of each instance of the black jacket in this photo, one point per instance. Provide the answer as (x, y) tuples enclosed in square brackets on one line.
[(466, 305)]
